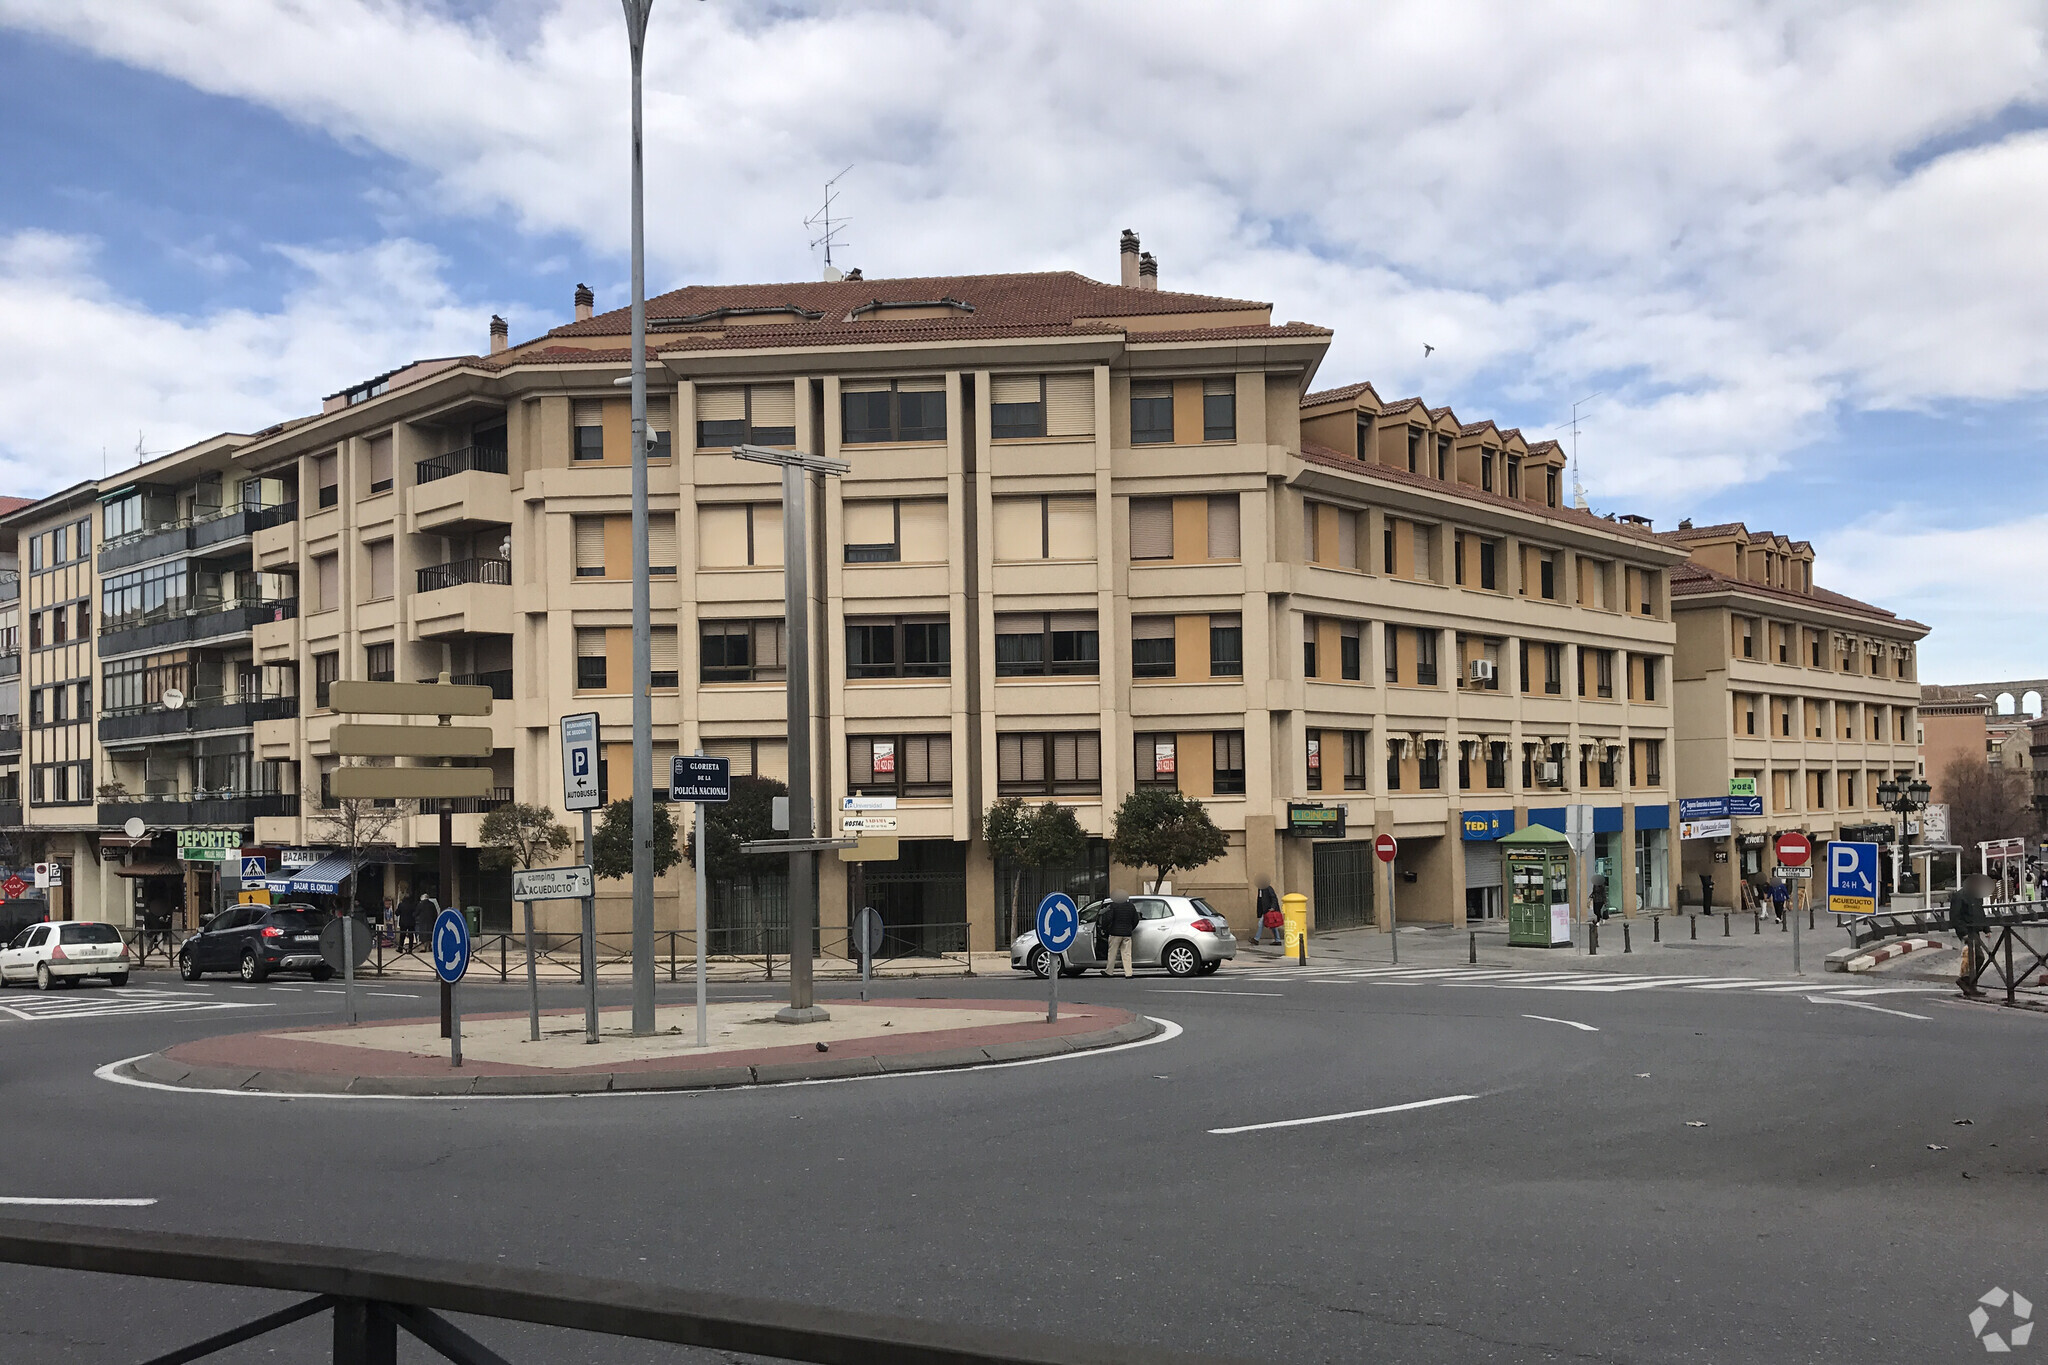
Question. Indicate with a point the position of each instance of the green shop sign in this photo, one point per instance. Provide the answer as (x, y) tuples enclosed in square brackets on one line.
[(208, 845)]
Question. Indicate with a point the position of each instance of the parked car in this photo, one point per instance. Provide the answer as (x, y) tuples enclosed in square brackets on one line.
[(1183, 934), (68, 951), (256, 940)]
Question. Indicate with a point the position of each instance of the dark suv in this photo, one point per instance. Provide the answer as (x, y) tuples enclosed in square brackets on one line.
[(257, 940)]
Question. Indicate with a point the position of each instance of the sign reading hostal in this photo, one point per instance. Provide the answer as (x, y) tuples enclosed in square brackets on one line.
[(209, 845)]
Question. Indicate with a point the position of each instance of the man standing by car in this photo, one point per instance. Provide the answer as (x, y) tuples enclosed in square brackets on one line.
[(1119, 922), (407, 909)]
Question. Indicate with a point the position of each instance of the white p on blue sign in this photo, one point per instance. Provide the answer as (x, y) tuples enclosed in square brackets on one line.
[(1852, 879)]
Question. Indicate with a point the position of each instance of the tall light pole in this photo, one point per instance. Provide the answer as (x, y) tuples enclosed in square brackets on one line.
[(643, 704), (1902, 798)]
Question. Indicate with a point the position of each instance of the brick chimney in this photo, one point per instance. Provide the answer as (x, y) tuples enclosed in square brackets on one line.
[(1127, 257), (501, 334), (586, 303), (1148, 271)]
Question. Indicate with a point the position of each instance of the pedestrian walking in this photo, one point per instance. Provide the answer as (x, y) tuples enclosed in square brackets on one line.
[(1966, 918), (408, 909), (1599, 896), (1269, 916), (1119, 922), (1781, 892)]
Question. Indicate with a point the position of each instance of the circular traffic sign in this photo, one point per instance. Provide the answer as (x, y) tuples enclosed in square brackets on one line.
[(451, 945), (1793, 849), (867, 931), (1059, 922), (1384, 848), (359, 934)]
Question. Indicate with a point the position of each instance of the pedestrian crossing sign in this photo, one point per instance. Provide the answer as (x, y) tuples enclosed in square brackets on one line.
[(254, 867)]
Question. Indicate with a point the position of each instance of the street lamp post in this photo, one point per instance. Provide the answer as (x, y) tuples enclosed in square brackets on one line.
[(797, 468), (1902, 798), (637, 12)]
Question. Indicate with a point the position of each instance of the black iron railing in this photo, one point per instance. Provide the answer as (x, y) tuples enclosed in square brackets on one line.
[(456, 573), (465, 805), (373, 1295), (483, 459), (499, 681)]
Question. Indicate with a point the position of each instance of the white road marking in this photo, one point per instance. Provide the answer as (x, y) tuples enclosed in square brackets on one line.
[(77, 1203), (387, 995), (1570, 1023), (1192, 990), (1334, 1118), (1858, 1004)]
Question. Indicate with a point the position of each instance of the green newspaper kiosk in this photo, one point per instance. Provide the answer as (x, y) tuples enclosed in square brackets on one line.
[(1537, 869)]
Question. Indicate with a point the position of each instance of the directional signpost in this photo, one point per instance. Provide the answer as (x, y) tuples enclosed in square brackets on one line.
[(579, 793), (707, 781), (451, 962), (1385, 848), (545, 884), (1059, 923), (867, 941), (1852, 879), (1794, 851)]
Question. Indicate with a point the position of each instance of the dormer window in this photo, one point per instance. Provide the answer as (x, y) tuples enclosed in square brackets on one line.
[(1486, 471), (903, 310), (1514, 477)]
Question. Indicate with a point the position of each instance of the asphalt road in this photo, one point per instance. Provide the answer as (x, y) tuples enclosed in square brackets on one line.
[(1568, 1210)]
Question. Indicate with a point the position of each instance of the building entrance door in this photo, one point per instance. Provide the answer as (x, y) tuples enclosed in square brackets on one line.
[(1344, 875)]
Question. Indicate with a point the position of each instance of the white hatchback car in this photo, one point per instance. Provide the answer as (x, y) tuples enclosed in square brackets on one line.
[(67, 951)]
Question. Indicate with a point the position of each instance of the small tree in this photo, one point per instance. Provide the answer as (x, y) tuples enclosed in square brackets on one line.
[(1024, 838), (355, 825), (1984, 802), (521, 836), (1160, 828), (611, 844), (750, 814)]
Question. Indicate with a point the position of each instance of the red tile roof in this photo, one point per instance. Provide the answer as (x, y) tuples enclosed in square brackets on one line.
[(1691, 579), (1349, 391), (1312, 453), (13, 504), (1040, 300)]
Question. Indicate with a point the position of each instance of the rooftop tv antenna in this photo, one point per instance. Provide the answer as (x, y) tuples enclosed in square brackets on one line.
[(1578, 489), (827, 227)]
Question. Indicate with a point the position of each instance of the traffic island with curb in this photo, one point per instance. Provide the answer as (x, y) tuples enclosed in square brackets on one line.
[(337, 1061)]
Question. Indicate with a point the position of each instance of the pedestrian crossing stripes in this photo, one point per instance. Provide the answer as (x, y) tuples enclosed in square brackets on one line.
[(1591, 983), (87, 1002)]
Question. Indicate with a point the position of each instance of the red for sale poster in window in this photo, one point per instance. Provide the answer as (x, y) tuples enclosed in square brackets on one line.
[(885, 757)]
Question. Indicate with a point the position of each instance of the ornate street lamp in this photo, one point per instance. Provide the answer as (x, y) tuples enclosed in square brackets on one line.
[(1902, 798)]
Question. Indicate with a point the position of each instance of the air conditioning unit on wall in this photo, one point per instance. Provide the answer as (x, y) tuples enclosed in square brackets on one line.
[(1551, 775), (1482, 670)]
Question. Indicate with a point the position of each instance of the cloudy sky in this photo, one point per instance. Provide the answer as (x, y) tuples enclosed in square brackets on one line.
[(1795, 250)]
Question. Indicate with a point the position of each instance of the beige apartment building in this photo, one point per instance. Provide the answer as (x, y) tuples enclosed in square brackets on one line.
[(1095, 536), (1811, 695)]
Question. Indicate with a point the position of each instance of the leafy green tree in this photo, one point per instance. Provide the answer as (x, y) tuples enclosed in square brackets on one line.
[(611, 843), (521, 836), (1160, 828), (1023, 838), (748, 815)]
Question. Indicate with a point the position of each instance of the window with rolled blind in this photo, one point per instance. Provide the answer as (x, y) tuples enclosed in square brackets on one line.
[(1067, 764), (660, 444), (590, 658), (871, 531), (1348, 531), (586, 419), (1070, 404), (1033, 644), (327, 581), (1016, 406), (1219, 409), (1070, 527), (900, 765), (893, 410), (721, 416), (664, 663), (1223, 539), (771, 414), (921, 530), (589, 546), (661, 542), (325, 478), (380, 464), (1152, 647), (1152, 412), (380, 574), (1151, 528), (741, 651), (746, 414), (736, 535)]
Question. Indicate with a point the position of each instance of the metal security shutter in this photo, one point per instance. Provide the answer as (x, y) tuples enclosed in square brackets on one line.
[(590, 546), (327, 577), (721, 536), (767, 643), (923, 531), (323, 470), (871, 521), (774, 405), (1020, 529), (590, 642), (1344, 877), (380, 459), (927, 384), (587, 412), (657, 413), (1482, 865), (1070, 404), (380, 571), (863, 386), (726, 404), (661, 650), (1347, 540), (1013, 388), (1070, 527), (1019, 623), (661, 541), (1223, 542), (1151, 528)]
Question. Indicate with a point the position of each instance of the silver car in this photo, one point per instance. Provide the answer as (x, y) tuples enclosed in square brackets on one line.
[(1180, 933)]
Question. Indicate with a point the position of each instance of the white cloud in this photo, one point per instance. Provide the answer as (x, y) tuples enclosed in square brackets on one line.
[(88, 369)]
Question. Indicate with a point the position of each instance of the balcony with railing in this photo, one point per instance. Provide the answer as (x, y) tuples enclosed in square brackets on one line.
[(188, 620), (464, 597), (498, 680), (211, 528), (10, 664), (480, 459), (459, 572), (465, 805), (10, 586), (203, 713), (10, 736), (198, 807)]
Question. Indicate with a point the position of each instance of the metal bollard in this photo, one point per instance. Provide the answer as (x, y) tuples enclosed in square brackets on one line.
[(1726, 927), (1472, 951), (1592, 938), (1809, 916), (1626, 946), (1758, 917), (1656, 928), (1693, 922)]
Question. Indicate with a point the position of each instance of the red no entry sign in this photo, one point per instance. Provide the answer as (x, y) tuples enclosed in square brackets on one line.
[(1794, 850), (1385, 848)]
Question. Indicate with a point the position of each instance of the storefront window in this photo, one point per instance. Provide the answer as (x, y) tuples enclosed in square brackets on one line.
[(1653, 870)]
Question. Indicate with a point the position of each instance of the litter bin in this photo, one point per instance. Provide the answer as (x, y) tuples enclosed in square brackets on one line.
[(1294, 909), (476, 920)]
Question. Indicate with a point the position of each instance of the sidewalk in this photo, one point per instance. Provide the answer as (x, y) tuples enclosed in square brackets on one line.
[(485, 967)]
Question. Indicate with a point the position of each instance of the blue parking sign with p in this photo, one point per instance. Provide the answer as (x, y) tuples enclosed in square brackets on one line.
[(1852, 879)]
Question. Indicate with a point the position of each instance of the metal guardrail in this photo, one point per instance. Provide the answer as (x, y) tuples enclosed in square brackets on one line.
[(375, 1294), (484, 459), (1866, 929), (459, 572), (503, 954)]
